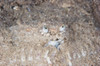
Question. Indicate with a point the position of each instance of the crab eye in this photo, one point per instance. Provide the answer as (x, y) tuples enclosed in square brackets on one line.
[(62, 26), (45, 27), (57, 39)]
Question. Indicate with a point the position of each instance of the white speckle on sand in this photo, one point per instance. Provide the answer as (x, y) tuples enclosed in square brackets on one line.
[(23, 58), (47, 58), (74, 55), (22, 55), (79, 56), (31, 51), (38, 57), (16, 8), (83, 52), (95, 52), (30, 58), (11, 61), (69, 56), (2, 62), (69, 63), (6, 47), (22, 49)]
